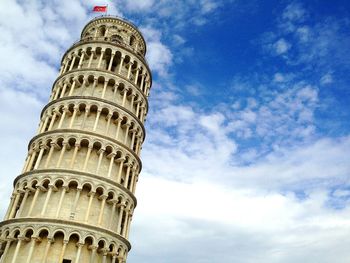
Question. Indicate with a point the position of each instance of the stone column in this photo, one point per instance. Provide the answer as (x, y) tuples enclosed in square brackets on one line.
[(100, 61), (93, 253), (75, 111), (76, 149), (120, 217), (98, 113), (100, 152), (91, 197), (90, 59), (18, 246), (48, 195), (109, 117), (35, 197), (111, 61), (31, 249), (127, 125), (111, 162), (129, 70), (24, 200), (53, 145), (137, 75), (104, 89), (63, 150), (72, 87), (15, 204), (47, 249), (63, 250), (121, 160), (74, 207), (4, 255), (77, 257), (63, 193), (121, 64), (87, 157), (81, 59), (119, 121), (73, 61), (103, 202)]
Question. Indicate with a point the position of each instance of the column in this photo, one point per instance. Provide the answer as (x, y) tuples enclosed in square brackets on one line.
[(100, 61), (138, 138), (53, 145), (41, 152), (133, 95), (127, 175), (65, 65), (111, 162), (43, 128), (63, 250), (115, 89), (87, 157), (52, 120), (31, 249), (25, 197), (125, 224), (29, 155), (128, 226), (103, 202), (104, 89), (142, 116), (65, 109), (32, 158), (48, 195), (63, 150), (57, 91), (133, 189), (100, 152), (77, 257), (64, 190), (81, 59), (76, 149), (122, 160), (121, 64), (91, 57), (125, 91), (126, 132), (18, 246), (14, 206), (93, 253), (3, 257), (133, 131), (133, 175), (104, 255), (94, 86), (74, 207), (87, 110), (119, 121), (112, 217), (137, 75), (109, 117), (63, 90), (72, 87), (98, 113), (142, 81), (13, 197), (138, 103), (111, 61), (75, 111), (120, 217), (91, 197), (73, 61), (129, 70), (37, 190), (47, 249)]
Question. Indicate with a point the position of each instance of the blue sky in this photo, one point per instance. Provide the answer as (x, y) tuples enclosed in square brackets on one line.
[(248, 135)]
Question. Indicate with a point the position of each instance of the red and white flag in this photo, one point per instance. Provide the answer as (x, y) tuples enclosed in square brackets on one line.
[(100, 8)]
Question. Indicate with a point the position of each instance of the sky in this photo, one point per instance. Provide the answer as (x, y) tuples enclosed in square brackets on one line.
[(246, 157)]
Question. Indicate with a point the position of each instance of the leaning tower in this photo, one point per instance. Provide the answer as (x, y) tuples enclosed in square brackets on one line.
[(74, 200)]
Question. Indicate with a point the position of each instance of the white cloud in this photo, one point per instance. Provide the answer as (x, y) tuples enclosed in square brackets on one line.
[(326, 79), (281, 46)]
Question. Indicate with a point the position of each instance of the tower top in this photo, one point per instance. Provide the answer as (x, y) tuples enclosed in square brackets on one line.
[(117, 30)]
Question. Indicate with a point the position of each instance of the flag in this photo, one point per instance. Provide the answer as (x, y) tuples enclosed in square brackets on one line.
[(99, 8)]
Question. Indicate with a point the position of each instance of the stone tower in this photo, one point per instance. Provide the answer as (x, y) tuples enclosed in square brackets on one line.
[(74, 200)]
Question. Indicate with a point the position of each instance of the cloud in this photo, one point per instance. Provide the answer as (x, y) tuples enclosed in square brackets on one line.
[(281, 46)]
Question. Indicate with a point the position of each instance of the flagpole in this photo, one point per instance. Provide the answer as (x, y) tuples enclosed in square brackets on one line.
[(107, 10)]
